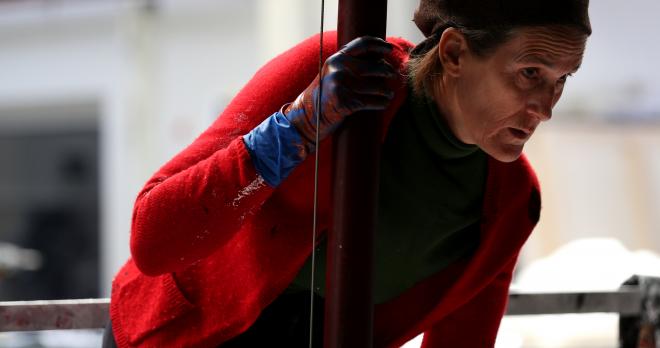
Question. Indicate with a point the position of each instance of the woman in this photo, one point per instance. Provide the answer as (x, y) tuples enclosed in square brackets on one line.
[(220, 235)]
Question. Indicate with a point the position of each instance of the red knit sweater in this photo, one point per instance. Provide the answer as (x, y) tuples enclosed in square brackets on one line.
[(212, 244)]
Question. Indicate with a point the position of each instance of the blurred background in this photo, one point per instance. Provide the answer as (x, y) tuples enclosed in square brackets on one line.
[(95, 95)]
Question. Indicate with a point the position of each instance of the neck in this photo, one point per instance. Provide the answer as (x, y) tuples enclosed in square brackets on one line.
[(445, 97)]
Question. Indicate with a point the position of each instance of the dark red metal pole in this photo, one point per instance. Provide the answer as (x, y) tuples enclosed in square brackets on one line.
[(349, 292)]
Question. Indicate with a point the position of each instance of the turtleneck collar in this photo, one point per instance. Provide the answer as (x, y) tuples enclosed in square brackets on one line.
[(434, 130)]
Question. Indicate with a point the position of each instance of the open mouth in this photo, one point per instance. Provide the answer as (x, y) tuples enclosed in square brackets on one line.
[(519, 133)]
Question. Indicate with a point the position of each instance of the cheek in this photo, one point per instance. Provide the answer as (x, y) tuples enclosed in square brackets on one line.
[(500, 103)]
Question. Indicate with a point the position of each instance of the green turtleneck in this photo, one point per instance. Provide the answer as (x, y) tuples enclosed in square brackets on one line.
[(430, 202)]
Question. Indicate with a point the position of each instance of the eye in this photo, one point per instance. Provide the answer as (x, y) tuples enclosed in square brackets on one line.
[(530, 73)]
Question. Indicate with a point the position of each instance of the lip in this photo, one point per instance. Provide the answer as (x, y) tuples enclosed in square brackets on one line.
[(519, 135)]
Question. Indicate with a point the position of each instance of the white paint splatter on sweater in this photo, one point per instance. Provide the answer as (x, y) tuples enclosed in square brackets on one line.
[(249, 190)]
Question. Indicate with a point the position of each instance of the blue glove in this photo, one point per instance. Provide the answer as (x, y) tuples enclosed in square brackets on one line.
[(275, 147)]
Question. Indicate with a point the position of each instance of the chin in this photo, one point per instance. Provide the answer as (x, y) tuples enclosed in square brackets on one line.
[(504, 153)]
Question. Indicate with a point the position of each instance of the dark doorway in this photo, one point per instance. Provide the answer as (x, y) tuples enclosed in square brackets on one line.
[(49, 204)]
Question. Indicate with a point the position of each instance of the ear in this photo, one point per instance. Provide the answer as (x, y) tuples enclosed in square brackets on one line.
[(452, 49)]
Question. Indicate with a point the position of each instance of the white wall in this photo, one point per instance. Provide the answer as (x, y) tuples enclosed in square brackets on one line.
[(618, 77), (158, 77), (597, 180)]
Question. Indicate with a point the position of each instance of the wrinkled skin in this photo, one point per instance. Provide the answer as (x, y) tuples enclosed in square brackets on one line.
[(356, 78), (498, 101)]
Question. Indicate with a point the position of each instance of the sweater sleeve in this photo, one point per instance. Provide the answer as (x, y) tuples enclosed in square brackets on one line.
[(174, 216), (197, 201), (476, 323)]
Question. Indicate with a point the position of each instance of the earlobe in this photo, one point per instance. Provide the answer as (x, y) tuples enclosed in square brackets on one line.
[(451, 49)]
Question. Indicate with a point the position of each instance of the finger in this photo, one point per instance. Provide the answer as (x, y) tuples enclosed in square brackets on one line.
[(377, 86), (362, 68), (349, 99), (367, 46), (369, 103), (381, 69)]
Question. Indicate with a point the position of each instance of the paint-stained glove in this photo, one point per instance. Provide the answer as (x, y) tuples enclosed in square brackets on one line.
[(356, 78)]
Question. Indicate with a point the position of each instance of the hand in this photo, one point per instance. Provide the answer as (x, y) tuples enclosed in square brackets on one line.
[(356, 78)]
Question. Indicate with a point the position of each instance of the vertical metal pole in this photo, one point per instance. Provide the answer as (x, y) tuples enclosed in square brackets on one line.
[(349, 293)]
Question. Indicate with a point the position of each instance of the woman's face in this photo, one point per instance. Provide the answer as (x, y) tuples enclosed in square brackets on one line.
[(499, 100)]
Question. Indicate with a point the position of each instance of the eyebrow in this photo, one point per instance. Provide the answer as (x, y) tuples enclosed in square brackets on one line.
[(543, 61)]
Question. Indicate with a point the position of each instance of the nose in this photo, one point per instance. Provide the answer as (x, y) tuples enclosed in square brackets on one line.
[(541, 102)]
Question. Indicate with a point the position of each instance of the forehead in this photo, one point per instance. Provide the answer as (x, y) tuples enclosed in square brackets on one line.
[(557, 47)]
